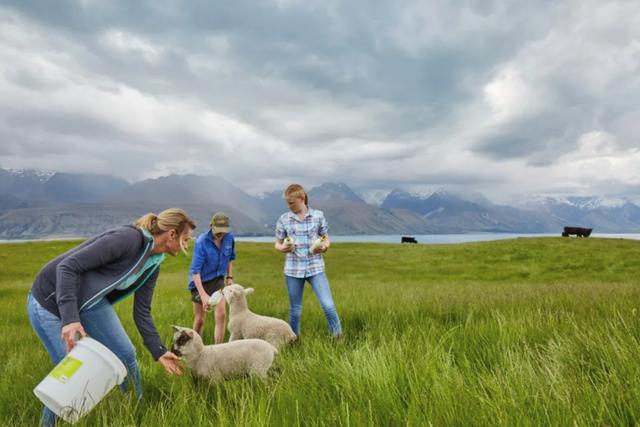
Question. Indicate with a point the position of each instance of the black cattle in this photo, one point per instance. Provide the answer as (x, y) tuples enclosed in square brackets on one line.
[(578, 231), (408, 239)]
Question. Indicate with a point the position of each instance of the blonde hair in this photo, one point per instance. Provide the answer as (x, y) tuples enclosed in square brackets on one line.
[(169, 219), (296, 190)]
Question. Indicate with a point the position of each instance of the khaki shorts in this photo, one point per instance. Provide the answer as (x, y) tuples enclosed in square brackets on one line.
[(210, 286)]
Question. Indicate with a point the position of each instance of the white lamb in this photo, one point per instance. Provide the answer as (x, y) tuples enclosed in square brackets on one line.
[(243, 323), (222, 361)]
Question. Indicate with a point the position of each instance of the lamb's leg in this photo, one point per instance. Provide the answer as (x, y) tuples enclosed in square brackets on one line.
[(214, 379), (234, 337), (259, 371), (214, 376)]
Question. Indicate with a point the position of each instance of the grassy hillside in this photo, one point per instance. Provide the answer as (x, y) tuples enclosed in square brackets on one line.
[(520, 332)]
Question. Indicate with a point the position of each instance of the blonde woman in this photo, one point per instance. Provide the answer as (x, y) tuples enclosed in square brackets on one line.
[(301, 226), (73, 294)]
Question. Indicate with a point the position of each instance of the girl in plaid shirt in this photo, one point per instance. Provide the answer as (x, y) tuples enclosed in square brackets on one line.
[(296, 230)]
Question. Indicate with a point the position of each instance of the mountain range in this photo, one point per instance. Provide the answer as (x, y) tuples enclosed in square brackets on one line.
[(38, 205)]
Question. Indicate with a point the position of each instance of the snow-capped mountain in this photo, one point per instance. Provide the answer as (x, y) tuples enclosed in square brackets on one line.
[(542, 202), (333, 192), (452, 212), (42, 176), (374, 197), (604, 214), (26, 187), (35, 204), (439, 202), (598, 202)]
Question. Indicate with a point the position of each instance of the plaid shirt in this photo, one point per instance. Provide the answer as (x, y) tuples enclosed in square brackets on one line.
[(300, 263)]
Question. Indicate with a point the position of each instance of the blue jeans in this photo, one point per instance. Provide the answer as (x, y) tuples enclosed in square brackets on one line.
[(101, 323), (320, 285)]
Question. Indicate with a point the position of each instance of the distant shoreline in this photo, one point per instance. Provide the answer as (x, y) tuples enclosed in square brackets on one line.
[(385, 238), (443, 238), (388, 238), (44, 239)]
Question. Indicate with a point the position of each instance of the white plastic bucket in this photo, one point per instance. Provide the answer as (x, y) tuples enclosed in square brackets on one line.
[(81, 380)]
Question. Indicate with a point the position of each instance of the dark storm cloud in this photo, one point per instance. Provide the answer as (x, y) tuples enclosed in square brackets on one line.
[(388, 86)]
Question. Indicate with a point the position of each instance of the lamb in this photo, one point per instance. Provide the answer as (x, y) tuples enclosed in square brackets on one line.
[(243, 323), (222, 361)]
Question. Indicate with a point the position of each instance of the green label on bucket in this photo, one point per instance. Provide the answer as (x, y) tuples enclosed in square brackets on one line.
[(65, 369)]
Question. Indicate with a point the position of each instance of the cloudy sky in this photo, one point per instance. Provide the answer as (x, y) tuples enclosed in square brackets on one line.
[(498, 97)]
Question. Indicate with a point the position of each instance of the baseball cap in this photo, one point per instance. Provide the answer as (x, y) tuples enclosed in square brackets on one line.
[(220, 222)]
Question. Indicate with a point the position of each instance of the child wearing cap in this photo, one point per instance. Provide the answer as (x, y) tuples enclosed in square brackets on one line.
[(301, 234), (211, 269)]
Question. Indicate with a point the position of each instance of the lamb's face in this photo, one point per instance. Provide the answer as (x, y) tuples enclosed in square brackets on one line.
[(184, 341), (235, 292)]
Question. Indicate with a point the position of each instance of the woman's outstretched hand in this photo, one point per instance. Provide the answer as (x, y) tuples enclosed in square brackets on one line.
[(171, 363), (69, 332)]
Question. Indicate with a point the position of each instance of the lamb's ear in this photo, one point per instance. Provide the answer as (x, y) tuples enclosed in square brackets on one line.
[(248, 291), (189, 333), (176, 328)]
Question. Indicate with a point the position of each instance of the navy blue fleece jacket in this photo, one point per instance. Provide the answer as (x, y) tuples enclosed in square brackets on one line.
[(76, 279)]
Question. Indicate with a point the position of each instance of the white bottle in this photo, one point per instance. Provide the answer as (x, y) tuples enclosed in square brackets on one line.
[(288, 241), (319, 242), (215, 298)]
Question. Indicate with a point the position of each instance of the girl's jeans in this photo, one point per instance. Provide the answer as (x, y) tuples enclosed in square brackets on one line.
[(101, 323), (320, 285)]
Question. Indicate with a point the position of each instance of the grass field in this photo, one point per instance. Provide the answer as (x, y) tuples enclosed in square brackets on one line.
[(539, 331)]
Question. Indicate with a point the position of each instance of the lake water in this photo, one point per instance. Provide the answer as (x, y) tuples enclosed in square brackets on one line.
[(443, 238), (421, 238)]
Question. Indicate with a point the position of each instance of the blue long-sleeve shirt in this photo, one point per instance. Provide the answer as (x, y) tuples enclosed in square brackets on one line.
[(209, 261)]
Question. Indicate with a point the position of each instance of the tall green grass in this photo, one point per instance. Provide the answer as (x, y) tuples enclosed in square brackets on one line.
[(540, 331)]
